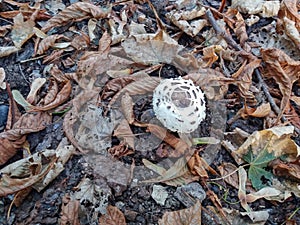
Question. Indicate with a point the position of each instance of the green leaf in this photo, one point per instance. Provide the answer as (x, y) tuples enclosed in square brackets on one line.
[(258, 163)]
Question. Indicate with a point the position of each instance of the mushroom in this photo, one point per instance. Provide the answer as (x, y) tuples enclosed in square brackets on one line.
[(179, 105)]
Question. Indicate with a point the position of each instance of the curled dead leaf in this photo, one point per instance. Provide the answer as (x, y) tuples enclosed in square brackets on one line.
[(76, 12)]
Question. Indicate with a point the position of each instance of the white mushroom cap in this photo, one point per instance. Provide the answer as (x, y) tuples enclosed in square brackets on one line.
[(179, 105)]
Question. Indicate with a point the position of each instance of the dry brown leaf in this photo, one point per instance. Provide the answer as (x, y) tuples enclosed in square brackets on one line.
[(212, 82), (60, 98), (228, 168), (14, 138), (54, 56), (124, 132), (93, 66), (138, 87), (289, 170), (276, 140), (289, 9), (245, 80), (76, 12), (188, 20), (22, 31), (120, 150), (18, 176), (115, 85), (113, 216), (178, 174), (261, 111), (127, 108), (209, 55), (191, 216), (239, 27), (69, 211), (284, 70), (48, 42), (180, 146), (157, 48), (242, 189), (197, 166)]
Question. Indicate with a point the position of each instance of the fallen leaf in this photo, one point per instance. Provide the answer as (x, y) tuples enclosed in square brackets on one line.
[(14, 138), (2, 78), (88, 192), (48, 42), (261, 111), (127, 108), (226, 169), (188, 20), (22, 31), (25, 172), (76, 12), (291, 31), (124, 132), (265, 8), (244, 80), (178, 174), (284, 70), (60, 98), (34, 88), (191, 216), (157, 48), (69, 211), (262, 193), (113, 216), (7, 50), (242, 189), (289, 170), (258, 163), (276, 140)]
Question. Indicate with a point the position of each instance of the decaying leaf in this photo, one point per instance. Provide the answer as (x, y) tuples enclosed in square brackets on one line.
[(48, 42), (76, 12), (289, 170), (276, 140), (34, 88), (265, 192), (191, 216), (261, 111), (87, 192), (2, 78), (229, 168), (152, 49), (69, 211), (123, 132), (113, 216), (7, 50), (178, 174), (60, 98), (284, 70), (188, 20), (14, 138), (22, 31), (264, 8)]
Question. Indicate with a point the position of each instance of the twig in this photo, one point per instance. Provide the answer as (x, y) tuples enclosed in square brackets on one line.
[(236, 46), (23, 75)]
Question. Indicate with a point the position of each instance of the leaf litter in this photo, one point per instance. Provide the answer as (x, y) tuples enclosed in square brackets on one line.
[(109, 84)]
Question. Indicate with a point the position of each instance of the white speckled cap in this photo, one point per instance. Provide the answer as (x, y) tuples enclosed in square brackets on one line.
[(179, 105)]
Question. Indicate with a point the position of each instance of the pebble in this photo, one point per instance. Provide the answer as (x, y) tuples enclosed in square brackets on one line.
[(3, 116), (159, 194), (187, 194)]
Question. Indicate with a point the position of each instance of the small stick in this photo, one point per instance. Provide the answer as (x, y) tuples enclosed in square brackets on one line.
[(236, 46)]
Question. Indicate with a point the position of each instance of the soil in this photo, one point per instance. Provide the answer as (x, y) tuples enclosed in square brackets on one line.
[(135, 202)]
